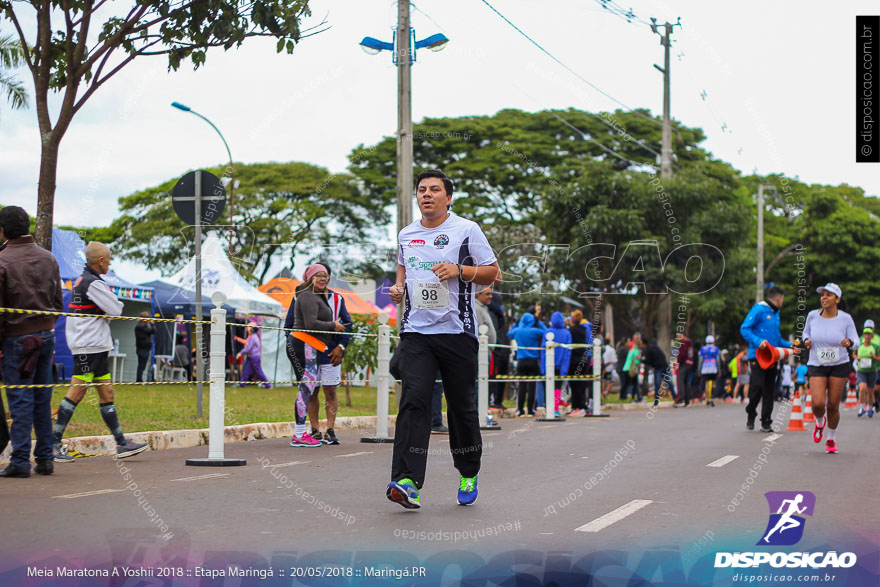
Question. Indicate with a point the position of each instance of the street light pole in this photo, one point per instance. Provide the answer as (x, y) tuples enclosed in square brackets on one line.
[(200, 359), (180, 106), (404, 117), (404, 55)]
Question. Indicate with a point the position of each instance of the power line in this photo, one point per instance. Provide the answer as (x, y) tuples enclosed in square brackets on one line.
[(617, 10), (587, 137), (566, 67)]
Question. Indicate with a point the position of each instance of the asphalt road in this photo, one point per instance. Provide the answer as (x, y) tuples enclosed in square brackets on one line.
[(686, 481)]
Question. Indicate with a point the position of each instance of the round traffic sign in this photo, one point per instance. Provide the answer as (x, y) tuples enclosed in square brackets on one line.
[(183, 198)]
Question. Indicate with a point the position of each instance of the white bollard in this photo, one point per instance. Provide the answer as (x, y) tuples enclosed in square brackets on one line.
[(217, 407), (383, 382), (550, 381), (597, 379), (483, 380)]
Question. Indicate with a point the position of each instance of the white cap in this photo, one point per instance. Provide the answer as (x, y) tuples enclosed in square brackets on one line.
[(869, 324), (832, 287), (710, 339)]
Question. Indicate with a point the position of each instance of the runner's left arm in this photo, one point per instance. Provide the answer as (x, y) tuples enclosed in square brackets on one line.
[(100, 293)]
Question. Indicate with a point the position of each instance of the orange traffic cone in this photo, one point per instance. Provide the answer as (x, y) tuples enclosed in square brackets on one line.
[(769, 355), (796, 423), (808, 408), (852, 400)]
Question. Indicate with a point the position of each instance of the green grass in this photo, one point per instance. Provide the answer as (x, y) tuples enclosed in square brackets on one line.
[(173, 407)]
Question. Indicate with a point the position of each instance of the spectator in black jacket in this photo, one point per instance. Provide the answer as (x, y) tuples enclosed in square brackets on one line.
[(580, 362), (655, 358), (143, 336), (622, 351), (500, 356)]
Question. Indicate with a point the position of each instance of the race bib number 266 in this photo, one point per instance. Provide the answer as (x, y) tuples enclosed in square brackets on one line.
[(828, 355)]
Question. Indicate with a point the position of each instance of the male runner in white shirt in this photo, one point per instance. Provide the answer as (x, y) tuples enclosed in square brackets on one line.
[(442, 258)]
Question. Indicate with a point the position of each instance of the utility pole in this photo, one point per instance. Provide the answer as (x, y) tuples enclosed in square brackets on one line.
[(666, 150), (404, 117), (759, 294), (664, 327)]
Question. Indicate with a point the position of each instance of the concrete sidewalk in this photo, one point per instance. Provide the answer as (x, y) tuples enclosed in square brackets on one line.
[(166, 439)]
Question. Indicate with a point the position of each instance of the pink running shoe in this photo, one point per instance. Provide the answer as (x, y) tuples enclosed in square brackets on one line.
[(817, 433), (305, 440), (830, 446)]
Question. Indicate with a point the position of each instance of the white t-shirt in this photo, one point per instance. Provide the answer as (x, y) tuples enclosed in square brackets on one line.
[(610, 355), (786, 375), (825, 335), (432, 306)]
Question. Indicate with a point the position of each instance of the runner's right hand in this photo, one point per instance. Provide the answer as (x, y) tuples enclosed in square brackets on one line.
[(396, 293), (338, 326)]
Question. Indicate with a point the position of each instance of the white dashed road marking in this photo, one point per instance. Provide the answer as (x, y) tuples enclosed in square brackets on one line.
[(86, 493), (723, 461), (615, 516), (279, 465), (208, 476)]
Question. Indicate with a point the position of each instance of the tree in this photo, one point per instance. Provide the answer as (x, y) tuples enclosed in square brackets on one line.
[(572, 178), (282, 208), (10, 58), (360, 354), (92, 46)]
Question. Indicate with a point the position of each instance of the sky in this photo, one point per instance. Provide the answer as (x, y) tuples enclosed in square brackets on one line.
[(778, 79)]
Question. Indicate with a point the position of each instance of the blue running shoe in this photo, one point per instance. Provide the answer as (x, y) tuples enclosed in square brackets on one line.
[(467, 493), (405, 493)]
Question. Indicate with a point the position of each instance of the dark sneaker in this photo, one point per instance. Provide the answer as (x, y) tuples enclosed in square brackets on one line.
[(59, 453), (330, 437), (129, 449), (13, 471), (441, 429), (405, 493), (467, 491), (766, 429), (44, 468), (750, 424), (316, 434)]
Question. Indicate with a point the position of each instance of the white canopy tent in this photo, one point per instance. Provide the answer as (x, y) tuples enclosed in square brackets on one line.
[(219, 274)]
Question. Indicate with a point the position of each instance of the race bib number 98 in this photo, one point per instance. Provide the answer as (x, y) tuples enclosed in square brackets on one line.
[(829, 355), (430, 295)]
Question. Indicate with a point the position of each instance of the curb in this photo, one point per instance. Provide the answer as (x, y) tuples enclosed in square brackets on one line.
[(168, 439), (647, 405)]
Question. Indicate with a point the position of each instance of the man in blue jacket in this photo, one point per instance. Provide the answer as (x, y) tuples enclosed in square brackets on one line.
[(761, 329), (528, 333)]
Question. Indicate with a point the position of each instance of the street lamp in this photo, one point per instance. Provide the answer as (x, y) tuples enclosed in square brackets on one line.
[(403, 54), (436, 42), (186, 108)]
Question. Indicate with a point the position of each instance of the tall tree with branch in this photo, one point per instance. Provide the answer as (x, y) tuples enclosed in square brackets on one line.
[(96, 40)]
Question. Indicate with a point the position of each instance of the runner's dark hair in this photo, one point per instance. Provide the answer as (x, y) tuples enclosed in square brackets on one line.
[(447, 183)]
